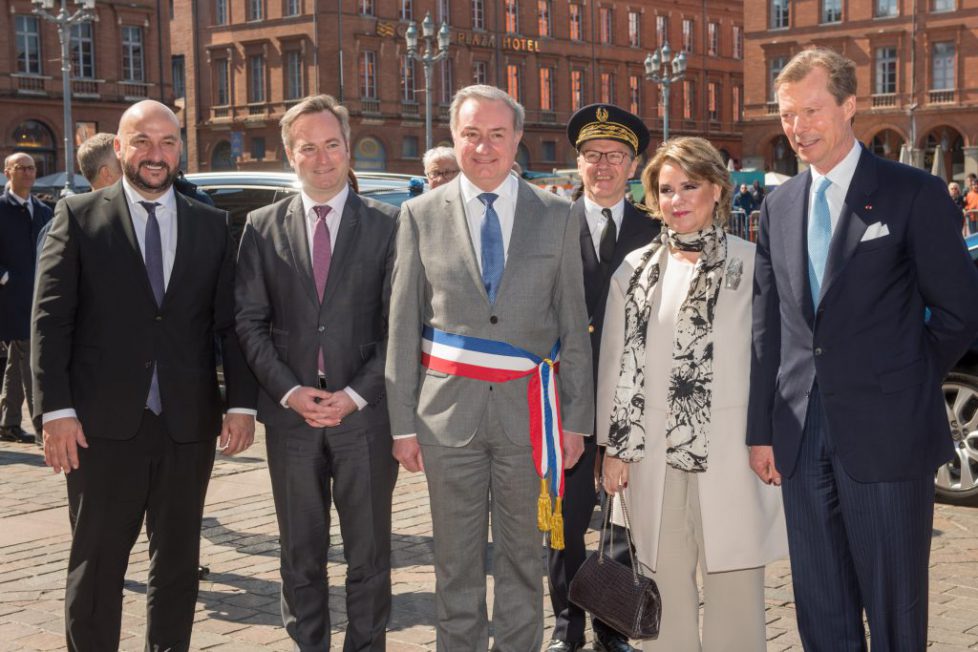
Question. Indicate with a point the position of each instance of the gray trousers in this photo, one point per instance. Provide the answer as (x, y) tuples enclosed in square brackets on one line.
[(489, 475), (16, 383)]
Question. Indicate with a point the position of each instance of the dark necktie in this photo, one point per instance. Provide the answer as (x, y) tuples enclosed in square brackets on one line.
[(493, 259), (153, 258), (322, 254), (606, 249)]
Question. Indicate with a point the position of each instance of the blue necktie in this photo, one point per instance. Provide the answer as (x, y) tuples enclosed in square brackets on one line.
[(493, 260), (819, 238), (153, 257)]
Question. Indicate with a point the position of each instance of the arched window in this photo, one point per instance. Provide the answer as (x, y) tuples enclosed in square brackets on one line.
[(221, 158), (35, 138), (369, 154)]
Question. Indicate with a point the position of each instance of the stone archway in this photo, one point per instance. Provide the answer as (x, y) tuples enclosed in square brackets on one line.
[(887, 143), (952, 147), (783, 158), (37, 139)]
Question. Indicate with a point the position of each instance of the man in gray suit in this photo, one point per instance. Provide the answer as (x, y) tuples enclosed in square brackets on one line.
[(312, 291), (487, 277)]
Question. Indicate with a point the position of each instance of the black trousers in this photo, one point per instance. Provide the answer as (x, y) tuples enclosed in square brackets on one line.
[(310, 468), (117, 485), (580, 497)]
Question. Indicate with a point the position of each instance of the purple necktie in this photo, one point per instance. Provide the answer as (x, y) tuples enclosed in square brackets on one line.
[(322, 253), (153, 258)]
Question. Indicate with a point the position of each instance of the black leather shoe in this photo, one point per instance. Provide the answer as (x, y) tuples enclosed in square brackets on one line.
[(16, 434), (610, 641), (557, 645)]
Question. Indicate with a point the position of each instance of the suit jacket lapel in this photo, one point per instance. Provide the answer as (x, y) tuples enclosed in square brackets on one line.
[(592, 266), (185, 243), (522, 240), (459, 225), (345, 238), (635, 229), (118, 211), (294, 224), (794, 222), (852, 222)]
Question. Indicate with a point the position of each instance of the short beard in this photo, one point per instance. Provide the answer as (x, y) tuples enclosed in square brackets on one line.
[(132, 174)]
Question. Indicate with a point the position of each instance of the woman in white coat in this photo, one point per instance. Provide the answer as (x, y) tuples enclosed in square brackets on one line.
[(672, 410)]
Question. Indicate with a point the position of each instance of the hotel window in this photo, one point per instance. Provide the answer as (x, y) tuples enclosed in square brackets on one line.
[(82, 51), (514, 84), (480, 72), (409, 147), (738, 42), (547, 89), (408, 93), (407, 9), (779, 14), (544, 21), (942, 5), (831, 11), (478, 14), (886, 70), (366, 7), (548, 150), (886, 8), (608, 87), (368, 75), (256, 78), (635, 95), (662, 29), (606, 22), (577, 89), (576, 29), (713, 37), (689, 37), (444, 11), (447, 81), (292, 8), (220, 12), (713, 101), (293, 75), (635, 29), (774, 67), (222, 95), (132, 54), (736, 104), (512, 17), (255, 10), (178, 69), (258, 148), (689, 99), (942, 67)]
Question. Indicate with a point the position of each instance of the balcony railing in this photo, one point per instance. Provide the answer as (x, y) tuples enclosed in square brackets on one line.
[(940, 97), (370, 105), (257, 109), (133, 90), (221, 112), (772, 108), (884, 100), (31, 84), (409, 108), (86, 87)]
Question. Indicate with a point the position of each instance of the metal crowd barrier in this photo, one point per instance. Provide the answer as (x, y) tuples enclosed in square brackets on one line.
[(971, 222), (743, 225)]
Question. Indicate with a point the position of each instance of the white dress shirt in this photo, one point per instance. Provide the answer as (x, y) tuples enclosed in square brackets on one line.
[(596, 221), (840, 176), (333, 219), (504, 205), (166, 216)]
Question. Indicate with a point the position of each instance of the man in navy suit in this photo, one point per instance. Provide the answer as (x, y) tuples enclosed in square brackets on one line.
[(846, 410), (21, 219)]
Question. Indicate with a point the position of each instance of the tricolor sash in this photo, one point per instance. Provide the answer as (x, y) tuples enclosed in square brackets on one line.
[(499, 362)]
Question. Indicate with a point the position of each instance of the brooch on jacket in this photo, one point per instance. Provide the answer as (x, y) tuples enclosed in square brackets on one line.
[(735, 269)]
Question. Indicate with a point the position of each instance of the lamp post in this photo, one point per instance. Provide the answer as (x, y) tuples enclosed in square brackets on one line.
[(428, 58), (65, 20), (664, 70)]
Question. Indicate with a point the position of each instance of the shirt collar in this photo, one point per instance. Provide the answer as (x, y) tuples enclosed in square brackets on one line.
[(23, 201), (841, 175), (336, 203), (506, 190), (592, 208), (168, 201)]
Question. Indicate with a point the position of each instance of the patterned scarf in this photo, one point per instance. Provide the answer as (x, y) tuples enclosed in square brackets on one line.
[(691, 376)]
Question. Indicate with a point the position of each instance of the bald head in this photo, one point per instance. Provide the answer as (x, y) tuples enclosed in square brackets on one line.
[(20, 171), (148, 146)]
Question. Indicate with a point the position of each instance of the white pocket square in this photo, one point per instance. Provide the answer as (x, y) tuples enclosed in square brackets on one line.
[(873, 231)]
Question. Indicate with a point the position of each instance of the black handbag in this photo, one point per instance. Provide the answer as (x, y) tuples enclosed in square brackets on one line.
[(622, 597)]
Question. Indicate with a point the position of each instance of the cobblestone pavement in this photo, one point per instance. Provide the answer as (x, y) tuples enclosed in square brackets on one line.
[(238, 604)]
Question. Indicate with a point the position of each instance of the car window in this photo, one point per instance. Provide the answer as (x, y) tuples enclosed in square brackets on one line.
[(238, 202)]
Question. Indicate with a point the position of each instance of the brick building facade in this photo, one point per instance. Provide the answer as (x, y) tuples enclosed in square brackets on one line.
[(119, 59), (917, 66), (242, 64)]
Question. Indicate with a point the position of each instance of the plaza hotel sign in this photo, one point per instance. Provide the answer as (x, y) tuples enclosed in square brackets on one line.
[(477, 39)]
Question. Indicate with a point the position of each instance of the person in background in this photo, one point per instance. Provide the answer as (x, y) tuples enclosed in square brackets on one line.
[(957, 197), (744, 200), (672, 410), (440, 166), (757, 193), (971, 198), (98, 162)]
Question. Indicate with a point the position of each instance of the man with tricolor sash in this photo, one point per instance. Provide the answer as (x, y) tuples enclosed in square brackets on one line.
[(489, 377)]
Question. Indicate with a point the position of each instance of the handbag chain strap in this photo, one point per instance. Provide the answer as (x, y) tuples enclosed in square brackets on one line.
[(628, 533)]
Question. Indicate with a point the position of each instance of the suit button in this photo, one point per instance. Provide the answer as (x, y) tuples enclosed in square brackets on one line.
[(818, 350), (590, 328), (321, 329), (493, 319), (159, 317), (490, 388), (148, 364)]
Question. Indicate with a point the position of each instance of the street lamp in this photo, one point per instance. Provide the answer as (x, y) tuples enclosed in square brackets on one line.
[(657, 69), (65, 20), (428, 58)]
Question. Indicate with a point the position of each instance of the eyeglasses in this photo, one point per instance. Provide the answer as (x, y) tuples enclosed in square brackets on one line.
[(441, 174), (614, 158), (23, 168)]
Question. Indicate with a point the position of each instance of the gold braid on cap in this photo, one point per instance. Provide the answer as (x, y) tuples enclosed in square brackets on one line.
[(612, 130)]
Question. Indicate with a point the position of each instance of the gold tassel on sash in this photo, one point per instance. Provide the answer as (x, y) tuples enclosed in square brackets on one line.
[(543, 507), (557, 527)]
